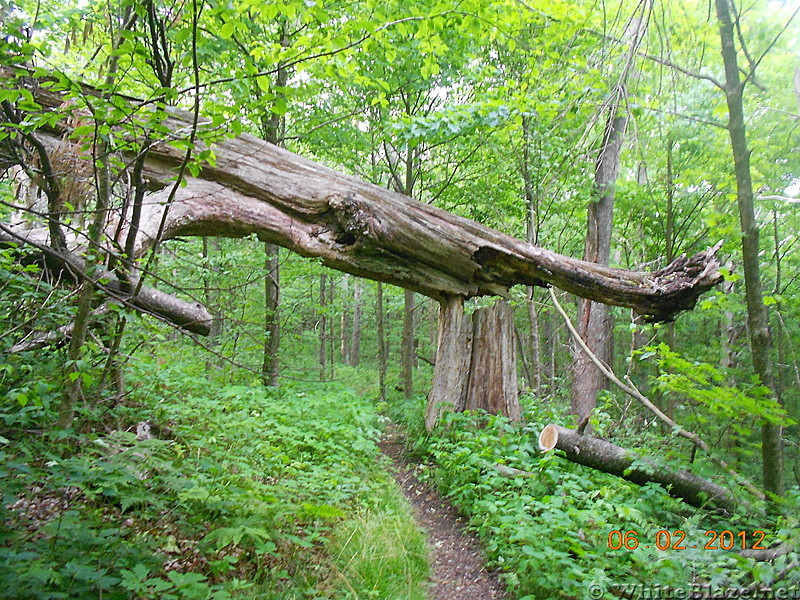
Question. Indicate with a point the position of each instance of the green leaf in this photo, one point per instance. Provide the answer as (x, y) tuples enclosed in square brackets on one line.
[(226, 31)]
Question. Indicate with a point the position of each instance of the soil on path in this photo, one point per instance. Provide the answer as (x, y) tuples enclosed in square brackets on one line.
[(457, 558)]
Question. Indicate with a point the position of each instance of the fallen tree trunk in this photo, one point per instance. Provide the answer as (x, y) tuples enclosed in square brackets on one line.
[(609, 458), (372, 232), (191, 316), (254, 187)]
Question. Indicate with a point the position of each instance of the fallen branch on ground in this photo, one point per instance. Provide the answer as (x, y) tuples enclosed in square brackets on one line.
[(635, 393), (610, 458)]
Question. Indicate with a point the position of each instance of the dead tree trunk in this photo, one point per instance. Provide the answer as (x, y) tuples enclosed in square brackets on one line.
[(453, 352), (476, 363), (368, 231), (609, 458), (492, 384)]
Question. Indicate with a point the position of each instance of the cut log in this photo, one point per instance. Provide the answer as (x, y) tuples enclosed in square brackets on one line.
[(257, 188), (609, 458)]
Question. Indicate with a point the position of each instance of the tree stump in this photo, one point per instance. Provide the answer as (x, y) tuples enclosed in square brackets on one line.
[(476, 366), (492, 382)]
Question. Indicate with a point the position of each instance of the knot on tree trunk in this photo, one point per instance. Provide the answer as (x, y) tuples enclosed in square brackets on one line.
[(354, 223)]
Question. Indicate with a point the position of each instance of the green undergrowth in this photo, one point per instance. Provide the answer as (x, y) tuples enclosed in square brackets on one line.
[(548, 532), (243, 492)]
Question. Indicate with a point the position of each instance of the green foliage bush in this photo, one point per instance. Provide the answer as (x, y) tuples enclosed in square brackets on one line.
[(548, 531), (239, 494)]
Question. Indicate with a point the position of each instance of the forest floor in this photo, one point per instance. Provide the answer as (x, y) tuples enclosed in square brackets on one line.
[(457, 557)]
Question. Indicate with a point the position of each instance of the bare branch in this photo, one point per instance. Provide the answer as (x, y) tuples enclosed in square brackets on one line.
[(631, 390), (668, 63)]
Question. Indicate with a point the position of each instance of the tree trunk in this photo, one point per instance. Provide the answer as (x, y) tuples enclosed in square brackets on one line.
[(270, 366), (433, 327), (453, 352), (670, 246), (492, 379), (526, 367), (536, 343), (345, 335), (476, 364), (86, 291), (331, 333), (593, 323), (532, 235), (729, 332), (382, 359), (359, 228), (780, 338), (606, 457), (560, 359), (757, 312), (322, 325), (355, 345), (408, 352)]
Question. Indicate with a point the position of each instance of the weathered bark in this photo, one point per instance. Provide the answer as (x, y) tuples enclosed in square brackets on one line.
[(757, 311), (408, 353), (609, 458), (476, 364), (362, 229), (453, 353), (492, 374)]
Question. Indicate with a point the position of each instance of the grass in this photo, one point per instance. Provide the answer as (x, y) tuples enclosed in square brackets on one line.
[(381, 552), (246, 493)]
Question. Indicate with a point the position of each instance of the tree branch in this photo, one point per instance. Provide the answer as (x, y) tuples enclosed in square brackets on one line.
[(635, 393)]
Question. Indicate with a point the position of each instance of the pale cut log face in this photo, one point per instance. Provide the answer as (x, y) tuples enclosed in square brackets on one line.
[(548, 438)]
